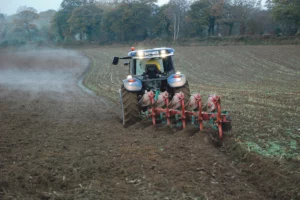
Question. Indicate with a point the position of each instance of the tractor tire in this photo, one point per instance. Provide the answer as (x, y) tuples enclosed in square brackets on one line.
[(185, 90), (130, 108)]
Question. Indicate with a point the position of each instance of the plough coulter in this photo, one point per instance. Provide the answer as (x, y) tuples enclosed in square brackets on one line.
[(153, 88)]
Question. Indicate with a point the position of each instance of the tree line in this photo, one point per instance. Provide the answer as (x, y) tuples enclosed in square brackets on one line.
[(138, 20)]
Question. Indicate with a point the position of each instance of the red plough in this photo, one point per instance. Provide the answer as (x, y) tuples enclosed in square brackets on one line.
[(160, 107)]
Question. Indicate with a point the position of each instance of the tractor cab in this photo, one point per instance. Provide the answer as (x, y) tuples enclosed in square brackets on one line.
[(152, 63), (151, 69)]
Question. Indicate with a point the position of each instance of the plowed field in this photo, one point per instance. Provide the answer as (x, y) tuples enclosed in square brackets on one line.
[(59, 142)]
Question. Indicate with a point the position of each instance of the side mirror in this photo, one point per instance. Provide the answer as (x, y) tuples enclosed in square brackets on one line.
[(115, 61), (126, 64)]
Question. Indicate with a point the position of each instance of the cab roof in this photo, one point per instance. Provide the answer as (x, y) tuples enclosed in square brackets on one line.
[(152, 53)]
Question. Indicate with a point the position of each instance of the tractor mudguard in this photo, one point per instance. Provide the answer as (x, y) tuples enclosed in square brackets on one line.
[(133, 84), (176, 80)]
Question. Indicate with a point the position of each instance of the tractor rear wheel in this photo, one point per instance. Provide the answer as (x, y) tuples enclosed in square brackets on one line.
[(185, 90), (130, 109)]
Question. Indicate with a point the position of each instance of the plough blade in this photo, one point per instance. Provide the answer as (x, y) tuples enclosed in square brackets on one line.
[(176, 101), (212, 102), (192, 103), (146, 99), (161, 100), (149, 99)]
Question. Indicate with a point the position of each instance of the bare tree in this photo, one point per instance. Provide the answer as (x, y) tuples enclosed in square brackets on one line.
[(23, 21), (176, 12)]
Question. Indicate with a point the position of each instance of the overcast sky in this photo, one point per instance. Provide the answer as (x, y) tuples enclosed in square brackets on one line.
[(10, 6)]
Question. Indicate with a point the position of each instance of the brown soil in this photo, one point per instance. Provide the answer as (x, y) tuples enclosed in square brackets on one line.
[(58, 142)]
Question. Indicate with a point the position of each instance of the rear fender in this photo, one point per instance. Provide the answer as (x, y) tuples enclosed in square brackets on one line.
[(174, 81), (133, 86)]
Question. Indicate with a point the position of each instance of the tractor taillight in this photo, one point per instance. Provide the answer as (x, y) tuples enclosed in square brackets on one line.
[(177, 75), (131, 80)]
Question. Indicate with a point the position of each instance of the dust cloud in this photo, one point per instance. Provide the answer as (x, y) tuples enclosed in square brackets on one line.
[(40, 70)]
